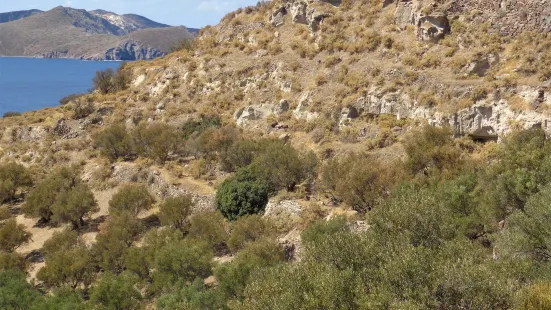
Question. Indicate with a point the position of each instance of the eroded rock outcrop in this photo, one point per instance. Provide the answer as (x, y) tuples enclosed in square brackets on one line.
[(302, 12), (430, 27), (486, 119), (259, 112)]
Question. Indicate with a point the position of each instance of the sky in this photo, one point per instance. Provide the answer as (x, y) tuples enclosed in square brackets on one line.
[(189, 13)]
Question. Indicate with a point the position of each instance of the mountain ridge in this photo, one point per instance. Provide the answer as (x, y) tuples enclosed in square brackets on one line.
[(92, 35)]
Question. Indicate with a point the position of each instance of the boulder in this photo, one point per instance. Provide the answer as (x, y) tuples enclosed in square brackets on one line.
[(281, 107), (480, 66), (302, 111), (278, 17), (433, 28), (298, 11)]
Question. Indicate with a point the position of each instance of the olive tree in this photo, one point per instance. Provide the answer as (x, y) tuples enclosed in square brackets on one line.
[(12, 235), (13, 177), (132, 198), (62, 197), (175, 211)]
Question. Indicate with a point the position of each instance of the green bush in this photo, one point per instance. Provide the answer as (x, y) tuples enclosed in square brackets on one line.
[(357, 183), (212, 142), (240, 154), (528, 232), (62, 299), (524, 167), (432, 152), (11, 114), (156, 140), (182, 262), (110, 81), (209, 227), (15, 292), (13, 177), (536, 297), (194, 296), (12, 261), (132, 198), (63, 197), (116, 292), (141, 260), (248, 229), (112, 246), (12, 235), (114, 142), (175, 212), (83, 108), (71, 98), (4, 214), (234, 276), (241, 195), (71, 205), (197, 127), (68, 261), (283, 166)]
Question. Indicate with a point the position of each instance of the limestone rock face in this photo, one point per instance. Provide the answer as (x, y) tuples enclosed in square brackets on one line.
[(302, 13), (405, 13), (278, 17), (432, 27), (481, 66), (302, 111), (258, 112), (487, 119)]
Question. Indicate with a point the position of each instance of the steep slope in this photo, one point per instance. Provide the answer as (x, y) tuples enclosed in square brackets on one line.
[(336, 78), (12, 16), (66, 32)]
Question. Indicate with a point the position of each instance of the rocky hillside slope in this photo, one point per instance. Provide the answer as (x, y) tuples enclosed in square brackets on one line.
[(333, 77), (335, 67), (12, 16), (98, 35)]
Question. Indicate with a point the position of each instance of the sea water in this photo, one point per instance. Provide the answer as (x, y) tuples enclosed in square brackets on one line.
[(28, 84)]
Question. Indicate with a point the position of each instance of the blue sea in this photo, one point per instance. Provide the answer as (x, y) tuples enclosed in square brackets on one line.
[(28, 84)]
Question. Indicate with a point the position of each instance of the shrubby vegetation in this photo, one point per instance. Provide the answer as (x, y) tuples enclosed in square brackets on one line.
[(132, 199), (446, 230), (11, 114), (13, 178), (110, 81), (62, 197)]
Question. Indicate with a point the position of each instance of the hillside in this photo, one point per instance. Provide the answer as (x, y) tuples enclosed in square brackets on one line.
[(300, 155), (98, 35), (12, 16)]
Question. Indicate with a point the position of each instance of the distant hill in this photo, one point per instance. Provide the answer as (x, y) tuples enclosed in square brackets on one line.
[(12, 16), (128, 22), (99, 35)]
